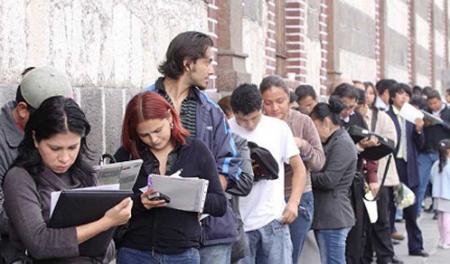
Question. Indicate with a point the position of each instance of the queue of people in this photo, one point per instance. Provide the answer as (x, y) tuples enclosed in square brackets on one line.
[(314, 176)]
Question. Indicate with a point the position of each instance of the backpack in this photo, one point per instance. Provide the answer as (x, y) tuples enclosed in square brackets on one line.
[(265, 167)]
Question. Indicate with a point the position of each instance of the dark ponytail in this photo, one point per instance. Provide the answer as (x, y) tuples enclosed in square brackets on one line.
[(332, 110), (444, 146)]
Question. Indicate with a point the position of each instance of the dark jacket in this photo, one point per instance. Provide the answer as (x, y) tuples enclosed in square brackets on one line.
[(414, 141), (27, 203), (166, 230), (10, 137), (331, 186), (435, 133)]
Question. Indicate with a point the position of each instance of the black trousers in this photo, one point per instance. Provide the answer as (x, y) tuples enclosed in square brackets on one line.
[(415, 240), (356, 237), (379, 233)]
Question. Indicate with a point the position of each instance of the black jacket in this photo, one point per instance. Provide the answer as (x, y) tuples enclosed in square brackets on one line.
[(166, 230), (436, 133)]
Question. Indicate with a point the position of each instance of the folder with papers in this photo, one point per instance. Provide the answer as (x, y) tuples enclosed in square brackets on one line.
[(78, 207), (186, 194)]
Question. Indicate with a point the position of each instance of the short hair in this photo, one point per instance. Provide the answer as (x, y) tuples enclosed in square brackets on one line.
[(246, 99), (187, 45), (144, 106), (427, 90), (361, 99), (292, 97), (398, 88), (434, 94), (384, 84), (417, 90), (419, 101), (55, 115), (332, 110), (225, 104), (272, 81), (305, 90), (346, 90)]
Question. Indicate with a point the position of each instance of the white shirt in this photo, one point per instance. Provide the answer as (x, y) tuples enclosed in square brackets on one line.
[(380, 104), (265, 202)]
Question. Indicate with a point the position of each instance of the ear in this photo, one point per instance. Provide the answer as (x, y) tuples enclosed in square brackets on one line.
[(22, 110), (187, 65), (170, 117)]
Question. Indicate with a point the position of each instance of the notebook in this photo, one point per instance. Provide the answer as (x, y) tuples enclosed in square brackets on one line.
[(122, 173), (186, 194)]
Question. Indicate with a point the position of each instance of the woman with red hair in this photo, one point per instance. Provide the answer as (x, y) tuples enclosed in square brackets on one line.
[(156, 234)]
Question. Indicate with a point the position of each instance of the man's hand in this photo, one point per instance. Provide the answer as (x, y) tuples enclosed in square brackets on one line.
[(290, 213), (419, 125), (223, 182), (368, 142)]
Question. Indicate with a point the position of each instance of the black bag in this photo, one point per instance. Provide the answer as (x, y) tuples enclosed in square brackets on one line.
[(385, 148), (265, 167)]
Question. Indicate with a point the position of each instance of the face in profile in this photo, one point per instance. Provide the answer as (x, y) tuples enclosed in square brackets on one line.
[(155, 133), (370, 95), (323, 128), (306, 105), (201, 70), (400, 99), (350, 104), (276, 103), (60, 151), (434, 104)]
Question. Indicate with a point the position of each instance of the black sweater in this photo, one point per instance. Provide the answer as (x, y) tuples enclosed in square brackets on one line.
[(435, 133), (166, 230)]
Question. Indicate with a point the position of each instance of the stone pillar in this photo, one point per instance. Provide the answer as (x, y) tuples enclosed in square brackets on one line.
[(230, 70)]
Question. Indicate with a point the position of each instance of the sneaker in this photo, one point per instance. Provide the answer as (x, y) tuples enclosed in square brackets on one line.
[(443, 246), (397, 236)]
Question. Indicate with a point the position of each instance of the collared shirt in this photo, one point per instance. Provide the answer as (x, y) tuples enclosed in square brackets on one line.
[(402, 147), (381, 105), (188, 111)]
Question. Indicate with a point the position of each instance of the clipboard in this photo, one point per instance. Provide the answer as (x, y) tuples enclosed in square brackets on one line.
[(78, 207)]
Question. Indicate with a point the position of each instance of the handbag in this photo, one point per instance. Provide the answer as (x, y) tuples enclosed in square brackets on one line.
[(403, 196)]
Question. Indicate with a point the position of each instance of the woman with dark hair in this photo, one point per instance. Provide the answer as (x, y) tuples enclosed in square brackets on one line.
[(51, 158), (371, 94), (333, 214), (156, 234)]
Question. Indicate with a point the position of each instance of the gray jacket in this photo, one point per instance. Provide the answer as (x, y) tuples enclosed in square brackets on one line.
[(331, 186), (10, 138)]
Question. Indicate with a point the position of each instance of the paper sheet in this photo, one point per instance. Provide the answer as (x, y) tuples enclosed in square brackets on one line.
[(410, 113)]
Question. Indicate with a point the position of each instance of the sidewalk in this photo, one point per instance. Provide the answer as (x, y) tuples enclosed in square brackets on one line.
[(430, 237)]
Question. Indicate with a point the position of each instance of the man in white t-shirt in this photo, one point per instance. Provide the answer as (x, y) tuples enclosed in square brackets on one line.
[(264, 211)]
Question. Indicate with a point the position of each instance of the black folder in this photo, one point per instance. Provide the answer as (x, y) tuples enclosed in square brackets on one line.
[(78, 207), (386, 146)]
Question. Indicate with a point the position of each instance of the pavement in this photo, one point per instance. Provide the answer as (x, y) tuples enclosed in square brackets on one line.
[(430, 238)]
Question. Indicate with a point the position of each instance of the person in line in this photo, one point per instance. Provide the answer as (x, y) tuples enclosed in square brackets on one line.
[(264, 211), (186, 71), (276, 104), (333, 211), (382, 100), (52, 157), (306, 98), (440, 176), (410, 138), (157, 234)]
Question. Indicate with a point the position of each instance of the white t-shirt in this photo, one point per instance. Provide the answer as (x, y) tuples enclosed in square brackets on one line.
[(265, 202)]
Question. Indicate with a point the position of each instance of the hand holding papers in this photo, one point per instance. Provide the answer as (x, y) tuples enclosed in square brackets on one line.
[(186, 194)]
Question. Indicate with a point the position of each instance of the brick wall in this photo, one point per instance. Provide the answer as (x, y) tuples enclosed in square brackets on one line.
[(270, 41), (295, 39)]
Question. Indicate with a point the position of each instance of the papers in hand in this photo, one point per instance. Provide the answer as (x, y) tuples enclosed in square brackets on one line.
[(410, 113), (434, 120), (123, 173), (186, 194)]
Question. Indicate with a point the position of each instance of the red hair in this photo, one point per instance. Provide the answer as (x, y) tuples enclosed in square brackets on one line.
[(145, 106)]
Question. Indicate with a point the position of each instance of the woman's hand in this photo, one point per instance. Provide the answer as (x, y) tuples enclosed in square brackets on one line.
[(149, 204), (119, 214)]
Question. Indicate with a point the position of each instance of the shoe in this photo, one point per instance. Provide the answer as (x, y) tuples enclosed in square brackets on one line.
[(397, 236), (419, 254), (443, 246), (395, 259)]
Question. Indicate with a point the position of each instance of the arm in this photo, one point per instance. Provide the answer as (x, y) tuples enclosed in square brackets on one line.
[(245, 183), (311, 149), (24, 209), (335, 166), (298, 185), (216, 203)]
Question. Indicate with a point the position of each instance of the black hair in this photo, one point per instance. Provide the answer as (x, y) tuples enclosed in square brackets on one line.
[(383, 85), (434, 94), (292, 97), (332, 110), (419, 101), (246, 99), (361, 99), (19, 96), (305, 90), (398, 88), (345, 90), (417, 90), (187, 45), (427, 90), (444, 146), (272, 81), (367, 84), (55, 115)]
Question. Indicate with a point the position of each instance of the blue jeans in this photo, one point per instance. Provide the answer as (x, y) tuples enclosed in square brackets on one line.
[(134, 256), (424, 162), (218, 254), (300, 227), (270, 244), (331, 244)]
